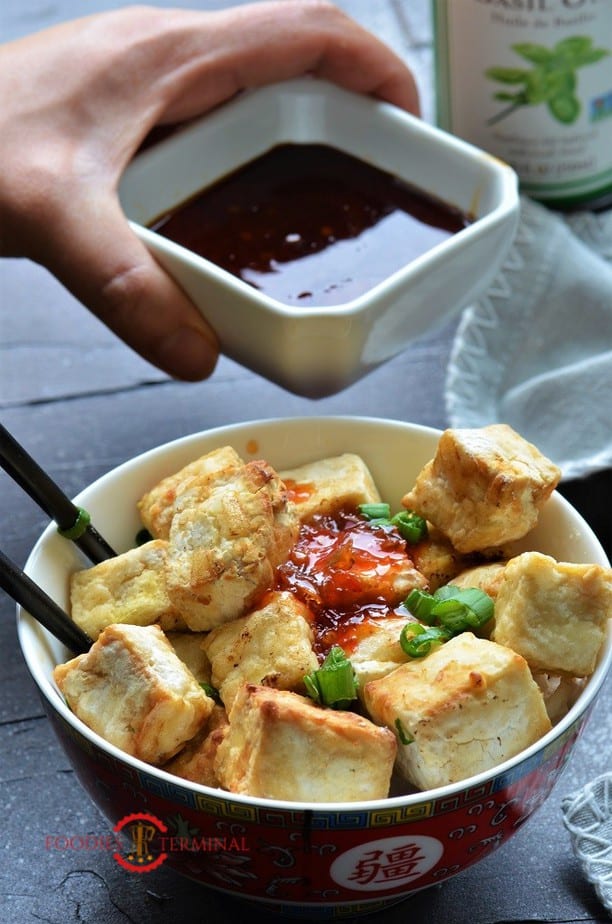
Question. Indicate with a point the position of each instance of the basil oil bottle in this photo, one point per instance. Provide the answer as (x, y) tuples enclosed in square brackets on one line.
[(530, 81)]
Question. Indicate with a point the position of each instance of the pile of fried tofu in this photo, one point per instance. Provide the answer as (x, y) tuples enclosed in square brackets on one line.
[(199, 658)]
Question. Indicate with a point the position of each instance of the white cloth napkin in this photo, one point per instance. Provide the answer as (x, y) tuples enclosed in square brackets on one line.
[(587, 815), (536, 351)]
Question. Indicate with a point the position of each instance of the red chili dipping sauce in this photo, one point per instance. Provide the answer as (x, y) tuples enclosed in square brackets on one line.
[(310, 225), (344, 569)]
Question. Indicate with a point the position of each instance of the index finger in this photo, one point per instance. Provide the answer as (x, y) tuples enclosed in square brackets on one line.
[(212, 56)]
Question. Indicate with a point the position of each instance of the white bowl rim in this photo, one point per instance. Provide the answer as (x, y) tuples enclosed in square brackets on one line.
[(27, 625)]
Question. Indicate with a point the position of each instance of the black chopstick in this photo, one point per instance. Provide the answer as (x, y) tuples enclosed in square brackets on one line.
[(40, 605), (72, 521)]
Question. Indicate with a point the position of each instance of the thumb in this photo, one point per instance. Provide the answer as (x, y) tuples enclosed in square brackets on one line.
[(97, 256)]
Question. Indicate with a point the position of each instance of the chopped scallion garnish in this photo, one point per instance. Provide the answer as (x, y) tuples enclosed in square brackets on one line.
[(333, 684), (417, 640), (479, 604), (420, 604), (410, 526), (449, 609), (452, 614), (211, 691), (402, 734), (375, 511)]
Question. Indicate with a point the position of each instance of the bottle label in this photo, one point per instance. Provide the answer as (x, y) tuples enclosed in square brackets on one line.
[(530, 81)]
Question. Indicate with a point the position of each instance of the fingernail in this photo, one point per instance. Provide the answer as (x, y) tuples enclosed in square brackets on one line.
[(187, 353)]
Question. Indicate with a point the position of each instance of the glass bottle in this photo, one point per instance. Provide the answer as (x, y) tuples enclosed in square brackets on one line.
[(530, 82)]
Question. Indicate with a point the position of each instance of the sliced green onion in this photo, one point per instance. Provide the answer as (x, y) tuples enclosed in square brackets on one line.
[(448, 611), (410, 525), (334, 683), (479, 602), (211, 691), (80, 525), (417, 640), (452, 614), (420, 604), (447, 592), (375, 511), (459, 608), (402, 734), (380, 521), (478, 607)]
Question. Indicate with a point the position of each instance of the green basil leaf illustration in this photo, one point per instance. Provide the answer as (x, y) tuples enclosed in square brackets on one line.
[(519, 98), (544, 85), (537, 54), (507, 74), (577, 51), (552, 80), (592, 57), (565, 108)]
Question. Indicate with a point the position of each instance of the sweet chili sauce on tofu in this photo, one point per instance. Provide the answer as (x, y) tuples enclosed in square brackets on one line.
[(333, 568), (308, 224)]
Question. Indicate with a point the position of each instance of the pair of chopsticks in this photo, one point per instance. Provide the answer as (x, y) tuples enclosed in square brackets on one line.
[(72, 522)]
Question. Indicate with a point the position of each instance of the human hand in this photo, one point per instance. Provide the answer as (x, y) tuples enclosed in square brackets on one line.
[(80, 98)]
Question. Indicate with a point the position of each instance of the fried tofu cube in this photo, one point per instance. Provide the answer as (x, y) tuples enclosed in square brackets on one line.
[(271, 646), (158, 506), (487, 577), (133, 690), (329, 485), (554, 613), (437, 559), (377, 650), (280, 745), (464, 708), (223, 550), (196, 761), (484, 487), (188, 646), (130, 588), (560, 693)]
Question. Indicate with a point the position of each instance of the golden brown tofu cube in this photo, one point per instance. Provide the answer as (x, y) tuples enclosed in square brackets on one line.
[(437, 559), (553, 613), (329, 485), (272, 646), (560, 693), (223, 551), (196, 761), (377, 651), (188, 646), (130, 588), (463, 709), (158, 506), (281, 746), (487, 577), (133, 690), (484, 487)]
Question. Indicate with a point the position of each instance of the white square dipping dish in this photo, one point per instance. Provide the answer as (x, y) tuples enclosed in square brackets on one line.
[(316, 351)]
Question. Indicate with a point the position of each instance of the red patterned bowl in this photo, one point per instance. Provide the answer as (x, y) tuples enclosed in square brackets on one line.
[(307, 860)]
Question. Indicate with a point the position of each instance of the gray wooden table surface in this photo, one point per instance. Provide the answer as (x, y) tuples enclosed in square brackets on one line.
[(82, 403)]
